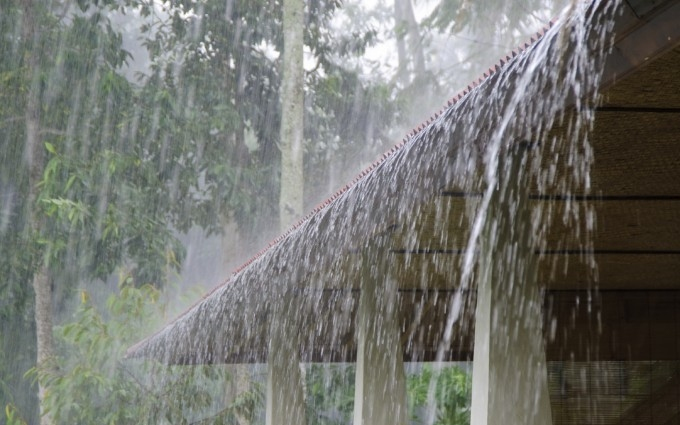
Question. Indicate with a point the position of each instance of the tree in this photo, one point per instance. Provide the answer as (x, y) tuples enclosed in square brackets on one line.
[(73, 213), (484, 32), (35, 159), (94, 167), (91, 385), (408, 34), (292, 114), (225, 76), (486, 18), (101, 174)]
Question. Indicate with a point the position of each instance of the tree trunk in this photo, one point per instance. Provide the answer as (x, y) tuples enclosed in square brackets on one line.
[(409, 44), (35, 159), (43, 325), (285, 379), (400, 36), (292, 104)]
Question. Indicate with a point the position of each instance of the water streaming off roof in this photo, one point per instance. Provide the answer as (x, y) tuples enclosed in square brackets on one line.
[(528, 232)]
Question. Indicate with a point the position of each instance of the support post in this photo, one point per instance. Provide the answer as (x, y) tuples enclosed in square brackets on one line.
[(285, 395), (509, 377), (380, 387)]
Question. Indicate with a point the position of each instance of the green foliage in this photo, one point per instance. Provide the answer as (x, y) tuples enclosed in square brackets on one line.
[(104, 228), (12, 416), (226, 92), (451, 388), (127, 166), (330, 393), (93, 383), (98, 197), (488, 17)]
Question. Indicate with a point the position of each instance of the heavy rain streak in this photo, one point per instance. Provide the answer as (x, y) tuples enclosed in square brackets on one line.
[(294, 212)]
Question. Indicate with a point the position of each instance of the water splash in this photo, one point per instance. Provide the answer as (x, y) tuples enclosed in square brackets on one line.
[(552, 84)]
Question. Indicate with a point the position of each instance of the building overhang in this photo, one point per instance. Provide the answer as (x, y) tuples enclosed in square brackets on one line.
[(422, 195)]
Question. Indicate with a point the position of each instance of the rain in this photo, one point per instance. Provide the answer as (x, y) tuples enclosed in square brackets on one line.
[(337, 212)]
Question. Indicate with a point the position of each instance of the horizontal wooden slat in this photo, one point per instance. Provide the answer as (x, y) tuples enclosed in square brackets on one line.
[(635, 139), (626, 271), (624, 225), (613, 325), (614, 271), (633, 154), (636, 153)]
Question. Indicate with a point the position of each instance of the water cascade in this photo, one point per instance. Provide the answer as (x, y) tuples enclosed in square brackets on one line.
[(458, 229)]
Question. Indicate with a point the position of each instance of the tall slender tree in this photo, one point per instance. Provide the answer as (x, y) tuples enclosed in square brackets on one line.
[(292, 114), (283, 360), (411, 58), (34, 155)]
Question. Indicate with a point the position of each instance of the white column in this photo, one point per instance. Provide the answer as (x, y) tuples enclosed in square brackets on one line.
[(509, 378), (285, 396), (380, 388)]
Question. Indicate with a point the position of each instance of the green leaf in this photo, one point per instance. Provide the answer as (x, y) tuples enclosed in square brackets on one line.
[(50, 169), (50, 148), (70, 182)]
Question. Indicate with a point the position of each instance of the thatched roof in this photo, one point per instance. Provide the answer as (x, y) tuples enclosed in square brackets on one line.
[(422, 195)]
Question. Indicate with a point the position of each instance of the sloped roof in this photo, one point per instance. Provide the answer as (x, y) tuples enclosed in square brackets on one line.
[(408, 190)]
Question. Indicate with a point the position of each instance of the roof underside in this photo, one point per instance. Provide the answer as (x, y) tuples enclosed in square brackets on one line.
[(417, 197)]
